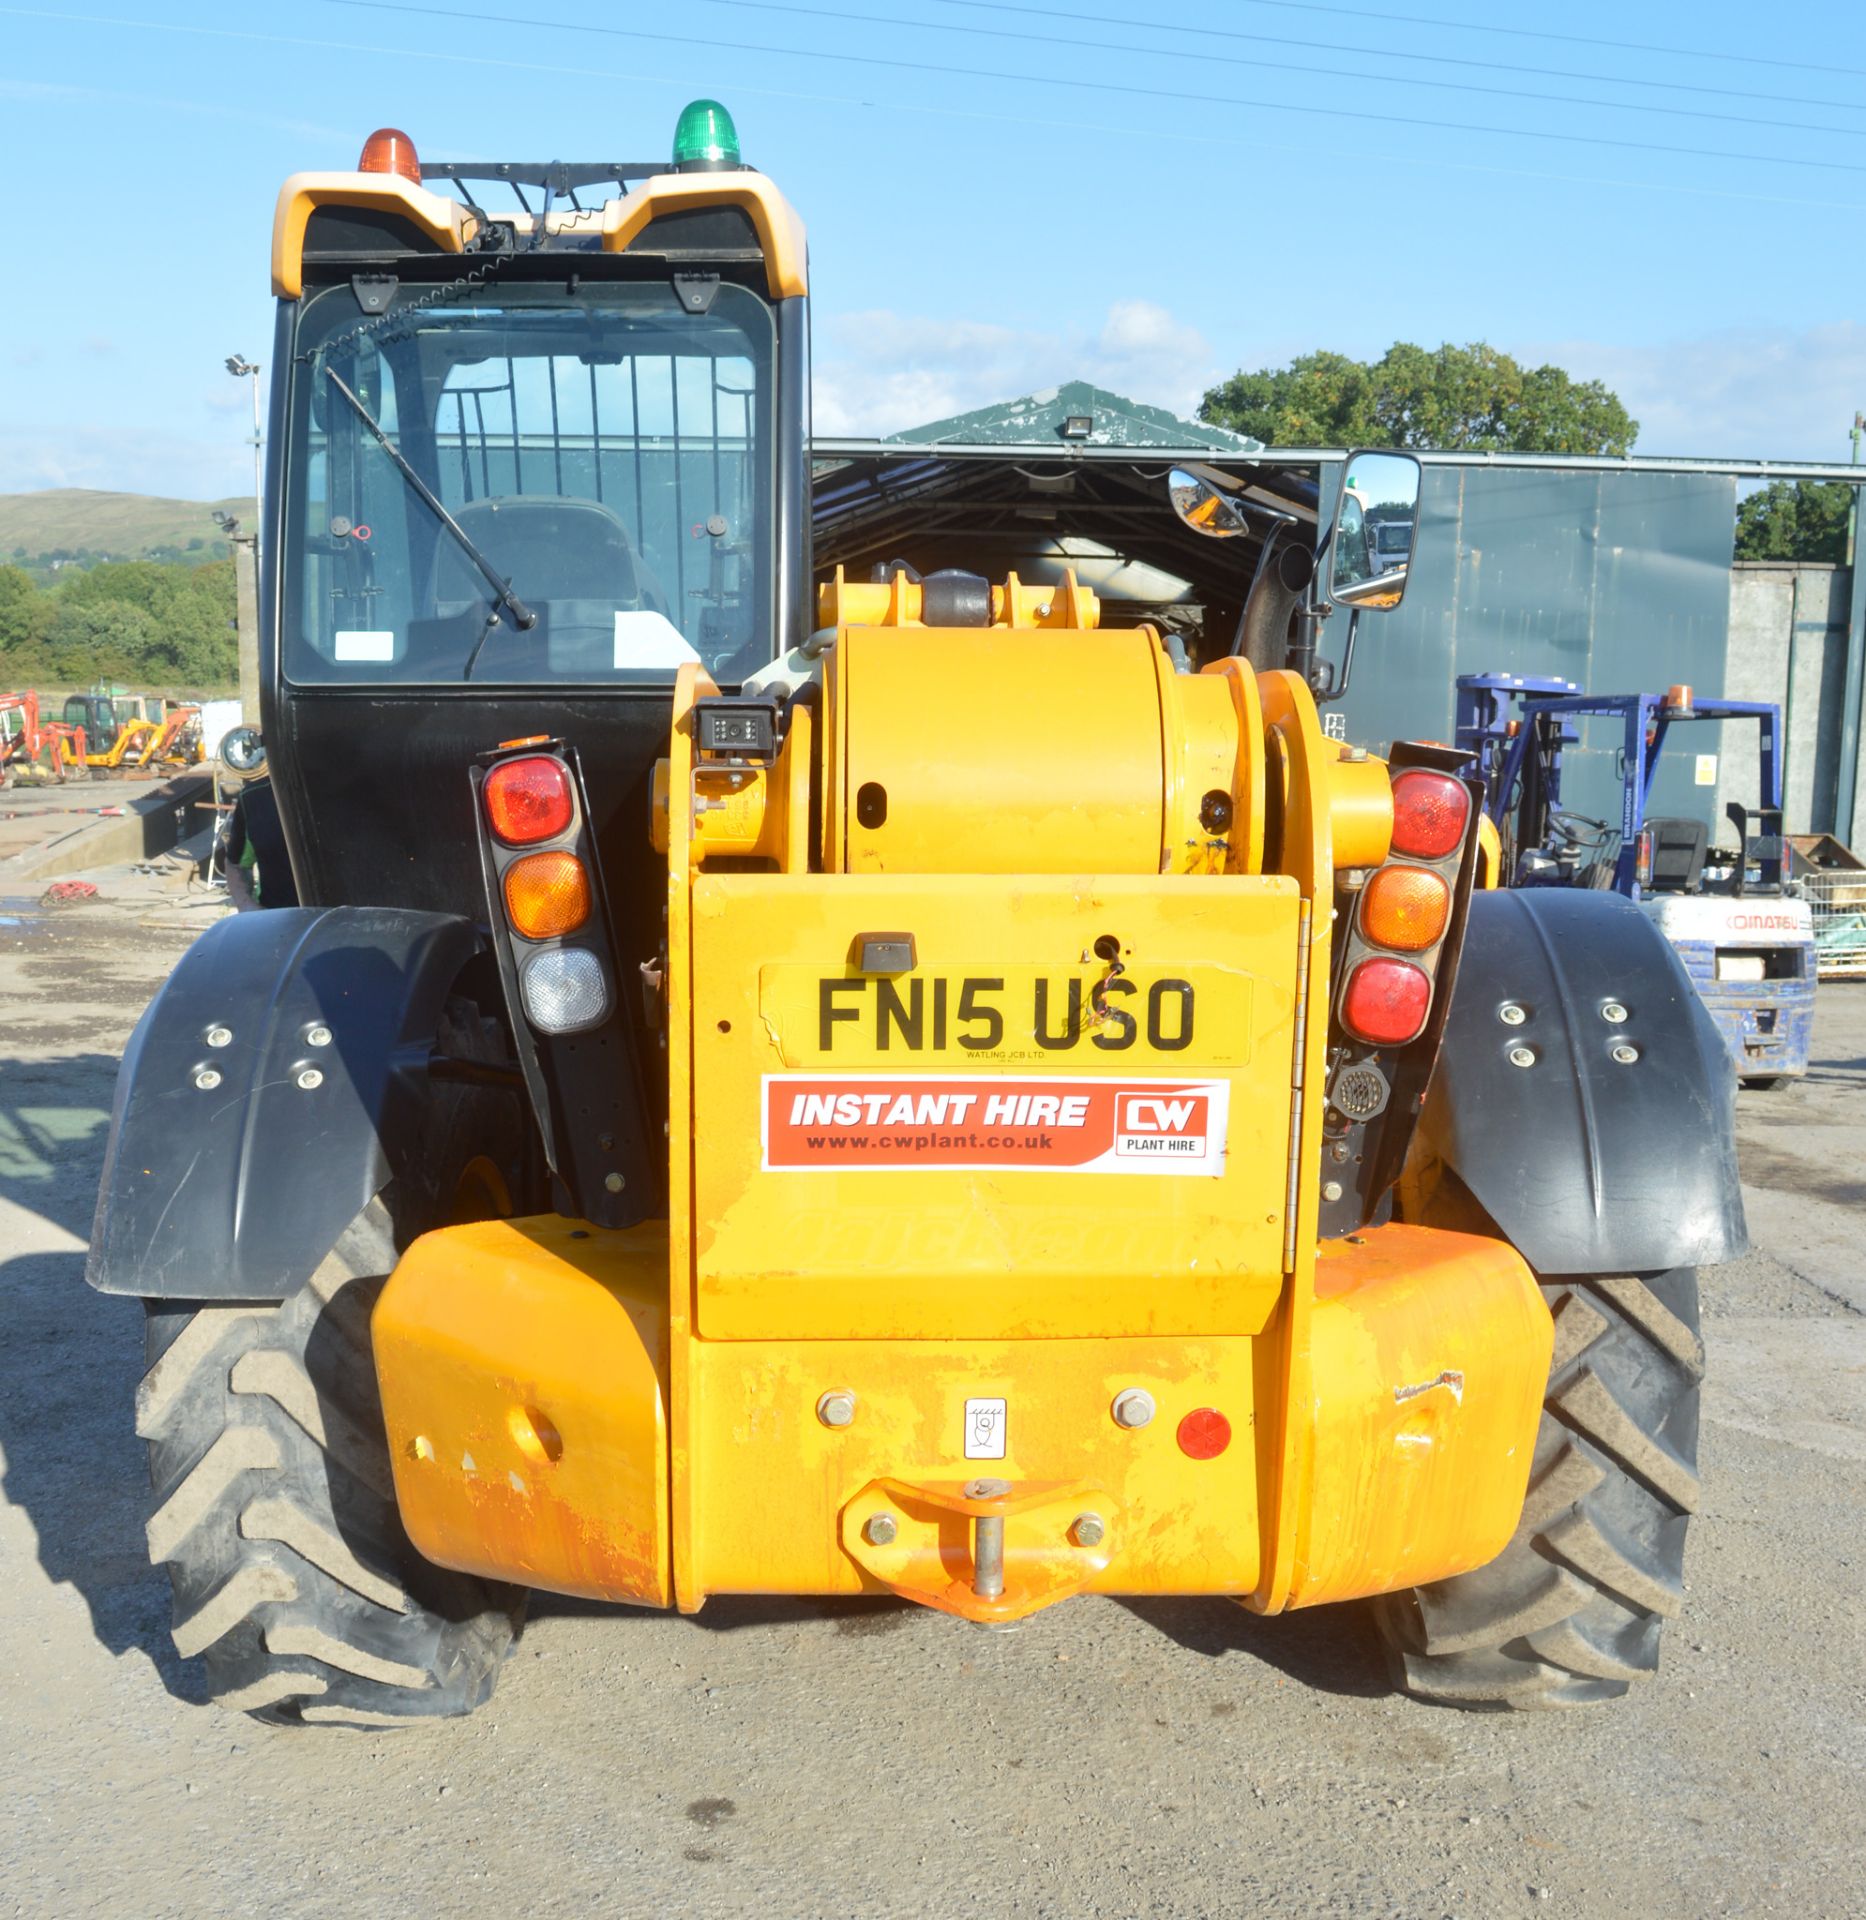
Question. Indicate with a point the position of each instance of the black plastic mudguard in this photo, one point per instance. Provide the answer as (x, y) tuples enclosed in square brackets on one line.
[(239, 1148), (1588, 1163)]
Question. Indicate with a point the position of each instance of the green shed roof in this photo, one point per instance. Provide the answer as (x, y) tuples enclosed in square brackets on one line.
[(1037, 421)]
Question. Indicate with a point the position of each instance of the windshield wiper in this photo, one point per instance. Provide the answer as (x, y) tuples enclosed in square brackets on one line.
[(522, 616)]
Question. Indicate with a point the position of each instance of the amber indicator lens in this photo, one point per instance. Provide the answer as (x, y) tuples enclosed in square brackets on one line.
[(1429, 812), (1204, 1434), (389, 150), (528, 800), (1386, 1002), (547, 894), (1405, 908)]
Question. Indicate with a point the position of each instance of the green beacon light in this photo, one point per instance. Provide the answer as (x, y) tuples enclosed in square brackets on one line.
[(705, 140)]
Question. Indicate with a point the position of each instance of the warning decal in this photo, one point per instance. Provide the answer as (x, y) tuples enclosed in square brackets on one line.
[(1075, 1125)]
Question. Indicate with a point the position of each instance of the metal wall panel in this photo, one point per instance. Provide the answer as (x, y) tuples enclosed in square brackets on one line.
[(1619, 581)]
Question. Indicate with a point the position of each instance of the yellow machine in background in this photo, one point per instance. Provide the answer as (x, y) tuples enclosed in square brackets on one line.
[(174, 740)]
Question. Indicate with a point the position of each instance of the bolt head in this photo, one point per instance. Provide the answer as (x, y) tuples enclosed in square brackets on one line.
[(1331, 1190), (317, 1036), (220, 1036), (1624, 1054), (1522, 1056), (311, 1078), (614, 1182), (1089, 1530), (1612, 1012), (880, 1530), (1133, 1407), (1511, 1014), (836, 1408), (207, 1079)]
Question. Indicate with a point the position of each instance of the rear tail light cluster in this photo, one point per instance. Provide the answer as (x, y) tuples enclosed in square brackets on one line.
[(1404, 911), (572, 1027), (537, 846)]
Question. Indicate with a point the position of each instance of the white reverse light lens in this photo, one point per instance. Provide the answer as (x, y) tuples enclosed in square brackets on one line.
[(564, 988)]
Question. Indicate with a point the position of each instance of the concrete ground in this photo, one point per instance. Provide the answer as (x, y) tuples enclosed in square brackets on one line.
[(70, 826), (1148, 1758)]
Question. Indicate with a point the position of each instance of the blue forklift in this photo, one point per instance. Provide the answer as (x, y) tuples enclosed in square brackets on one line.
[(1746, 942)]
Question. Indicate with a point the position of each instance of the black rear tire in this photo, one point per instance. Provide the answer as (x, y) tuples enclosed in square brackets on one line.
[(275, 1513), (1570, 1611), (274, 1502)]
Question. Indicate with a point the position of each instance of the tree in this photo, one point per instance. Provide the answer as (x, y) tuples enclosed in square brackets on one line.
[(1795, 520), (24, 613), (89, 638), (1448, 396), (184, 635)]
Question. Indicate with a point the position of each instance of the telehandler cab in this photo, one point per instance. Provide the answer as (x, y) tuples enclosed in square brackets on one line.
[(860, 1087)]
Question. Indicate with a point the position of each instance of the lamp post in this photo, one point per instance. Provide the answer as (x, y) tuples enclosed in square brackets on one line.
[(241, 368), (245, 611)]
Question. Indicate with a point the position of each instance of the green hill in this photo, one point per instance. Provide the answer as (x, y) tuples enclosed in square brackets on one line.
[(120, 526)]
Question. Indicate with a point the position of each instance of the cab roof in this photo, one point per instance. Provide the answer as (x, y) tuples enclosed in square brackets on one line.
[(395, 215)]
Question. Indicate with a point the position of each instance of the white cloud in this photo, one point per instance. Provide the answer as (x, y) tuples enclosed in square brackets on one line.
[(1773, 393), (882, 371)]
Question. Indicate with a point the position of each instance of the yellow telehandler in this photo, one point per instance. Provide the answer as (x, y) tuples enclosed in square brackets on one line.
[(853, 1087)]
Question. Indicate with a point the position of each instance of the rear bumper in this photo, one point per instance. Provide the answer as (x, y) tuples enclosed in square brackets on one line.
[(526, 1382)]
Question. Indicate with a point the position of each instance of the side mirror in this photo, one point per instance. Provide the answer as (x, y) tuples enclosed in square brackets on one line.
[(1370, 537), (1203, 507)]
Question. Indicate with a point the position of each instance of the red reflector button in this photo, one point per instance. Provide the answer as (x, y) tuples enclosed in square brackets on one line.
[(528, 800), (1386, 1002), (1204, 1434), (1429, 812)]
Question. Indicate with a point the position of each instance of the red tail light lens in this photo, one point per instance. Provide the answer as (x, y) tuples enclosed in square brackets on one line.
[(1429, 814), (1405, 908), (1386, 1002), (528, 800), (389, 150)]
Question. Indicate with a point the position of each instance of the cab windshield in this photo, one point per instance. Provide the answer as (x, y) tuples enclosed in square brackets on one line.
[(605, 451)]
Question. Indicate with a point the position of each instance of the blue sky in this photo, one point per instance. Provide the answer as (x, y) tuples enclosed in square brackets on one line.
[(999, 196)]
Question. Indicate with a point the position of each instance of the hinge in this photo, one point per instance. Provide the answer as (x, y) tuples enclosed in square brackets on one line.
[(374, 291)]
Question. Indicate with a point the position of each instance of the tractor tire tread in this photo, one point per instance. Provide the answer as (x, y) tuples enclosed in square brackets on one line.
[(274, 1512), (1570, 1612)]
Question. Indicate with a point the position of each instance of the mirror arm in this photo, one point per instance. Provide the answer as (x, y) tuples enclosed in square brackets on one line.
[(1324, 681), (1302, 648)]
